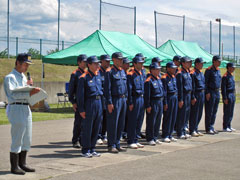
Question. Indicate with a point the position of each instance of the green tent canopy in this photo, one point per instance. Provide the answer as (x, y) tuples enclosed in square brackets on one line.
[(190, 49), (105, 42)]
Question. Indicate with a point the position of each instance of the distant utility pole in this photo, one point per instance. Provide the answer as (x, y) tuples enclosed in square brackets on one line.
[(58, 22), (8, 29)]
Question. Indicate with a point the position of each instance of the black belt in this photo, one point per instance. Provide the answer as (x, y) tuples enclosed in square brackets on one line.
[(202, 90), (187, 92), (96, 97), (20, 103), (156, 98), (214, 89), (172, 94), (119, 96), (231, 91), (138, 95)]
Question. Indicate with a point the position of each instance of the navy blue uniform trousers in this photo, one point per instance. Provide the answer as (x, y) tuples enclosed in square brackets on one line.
[(169, 116), (228, 110), (115, 121), (211, 108), (91, 124), (153, 120), (77, 128), (135, 119), (183, 114), (196, 111)]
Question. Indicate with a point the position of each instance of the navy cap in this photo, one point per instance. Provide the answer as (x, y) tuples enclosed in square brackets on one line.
[(140, 55), (216, 58), (154, 66), (185, 59), (156, 59), (171, 65), (126, 60), (138, 59), (24, 58), (105, 57), (117, 55), (92, 59), (199, 60), (231, 65), (176, 58), (82, 57)]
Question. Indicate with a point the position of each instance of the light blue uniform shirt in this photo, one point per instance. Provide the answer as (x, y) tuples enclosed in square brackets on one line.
[(20, 116)]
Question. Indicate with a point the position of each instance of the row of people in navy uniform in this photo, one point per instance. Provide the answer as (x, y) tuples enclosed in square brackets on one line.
[(113, 100)]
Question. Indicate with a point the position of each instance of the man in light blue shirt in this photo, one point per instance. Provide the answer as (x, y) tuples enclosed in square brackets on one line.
[(19, 114)]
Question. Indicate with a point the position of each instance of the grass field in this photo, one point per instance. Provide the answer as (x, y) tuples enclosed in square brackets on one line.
[(56, 73), (54, 114), (53, 72)]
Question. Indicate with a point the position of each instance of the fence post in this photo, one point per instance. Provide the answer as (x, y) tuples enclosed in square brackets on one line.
[(8, 28), (155, 20), (58, 22), (100, 16), (40, 48), (234, 45), (210, 37), (135, 19), (16, 46), (183, 26)]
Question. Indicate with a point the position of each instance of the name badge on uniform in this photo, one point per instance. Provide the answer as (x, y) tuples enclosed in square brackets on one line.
[(154, 84), (90, 81)]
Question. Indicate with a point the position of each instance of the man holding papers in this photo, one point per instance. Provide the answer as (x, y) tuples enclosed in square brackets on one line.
[(19, 114)]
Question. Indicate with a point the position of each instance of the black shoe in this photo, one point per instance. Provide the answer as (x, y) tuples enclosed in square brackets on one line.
[(112, 150), (76, 145), (120, 149), (210, 132), (22, 162), (14, 160), (143, 136)]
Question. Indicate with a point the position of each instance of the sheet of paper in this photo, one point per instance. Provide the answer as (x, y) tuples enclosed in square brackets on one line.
[(34, 98)]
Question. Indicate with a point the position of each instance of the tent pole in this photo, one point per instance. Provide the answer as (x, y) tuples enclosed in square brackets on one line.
[(100, 16), (135, 18), (183, 26), (155, 20), (210, 37)]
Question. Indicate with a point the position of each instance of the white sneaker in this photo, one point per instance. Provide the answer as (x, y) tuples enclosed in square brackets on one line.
[(182, 137), (139, 145), (105, 140), (151, 143), (227, 130), (200, 134), (87, 155), (99, 142), (166, 140), (133, 146), (187, 136), (233, 129), (95, 154), (173, 139), (158, 142), (194, 134)]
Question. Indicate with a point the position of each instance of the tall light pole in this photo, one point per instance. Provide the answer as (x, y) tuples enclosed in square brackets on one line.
[(8, 29), (219, 20), (58, 22)]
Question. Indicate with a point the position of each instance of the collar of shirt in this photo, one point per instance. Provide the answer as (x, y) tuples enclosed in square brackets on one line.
[(17, 73), (137, 72), (92, 74), (102, 69), (81, 70), (186, 70), (197, 70), (231, 74), (214, 68), (156, 78), (117, 69), (169, 75)]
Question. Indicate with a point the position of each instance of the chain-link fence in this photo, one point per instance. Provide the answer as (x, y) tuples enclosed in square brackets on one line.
[(67, 21), (205, 33)]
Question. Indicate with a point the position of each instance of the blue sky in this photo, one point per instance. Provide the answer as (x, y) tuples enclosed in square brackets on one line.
[(80, 18)]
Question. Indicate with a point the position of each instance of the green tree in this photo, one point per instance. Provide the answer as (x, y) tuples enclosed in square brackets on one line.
[(52, 51), (4, 53), (34, 53)]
